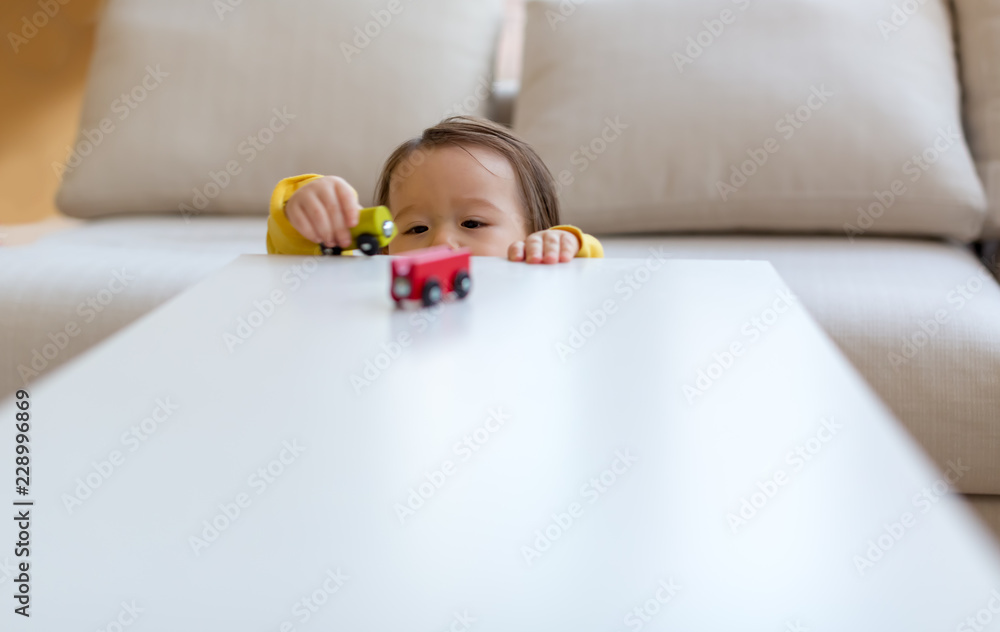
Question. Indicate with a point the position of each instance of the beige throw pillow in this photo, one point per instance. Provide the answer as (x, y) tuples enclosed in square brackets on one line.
[(767, 115), (201, 106)]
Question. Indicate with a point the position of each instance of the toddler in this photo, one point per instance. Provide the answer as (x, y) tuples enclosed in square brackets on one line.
[(466, 182)]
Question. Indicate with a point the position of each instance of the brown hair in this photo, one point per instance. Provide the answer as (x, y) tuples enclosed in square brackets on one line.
[(538, 188)]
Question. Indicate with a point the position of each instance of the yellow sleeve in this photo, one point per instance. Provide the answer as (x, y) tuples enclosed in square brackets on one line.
[(282, 238), (589, 246)]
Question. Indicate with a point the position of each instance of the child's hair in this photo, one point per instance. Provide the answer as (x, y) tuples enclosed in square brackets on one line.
[(538, 190)]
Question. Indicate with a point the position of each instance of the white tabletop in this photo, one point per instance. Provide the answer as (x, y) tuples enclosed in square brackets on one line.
[(513, 427)]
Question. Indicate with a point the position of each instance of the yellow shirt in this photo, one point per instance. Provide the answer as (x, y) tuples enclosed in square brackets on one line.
[(283, 239)]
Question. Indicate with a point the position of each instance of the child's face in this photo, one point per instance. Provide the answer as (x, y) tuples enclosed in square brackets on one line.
[(458, 197)]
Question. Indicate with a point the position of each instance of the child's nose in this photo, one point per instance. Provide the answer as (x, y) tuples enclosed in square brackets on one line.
[(446, 238)]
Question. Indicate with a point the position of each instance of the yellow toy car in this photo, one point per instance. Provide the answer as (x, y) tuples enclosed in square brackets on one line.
[(374, 231)]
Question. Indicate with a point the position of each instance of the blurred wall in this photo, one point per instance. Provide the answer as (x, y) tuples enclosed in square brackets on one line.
[(42, 75)]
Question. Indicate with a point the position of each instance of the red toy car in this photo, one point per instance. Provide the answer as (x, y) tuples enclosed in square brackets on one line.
[(429, 274)]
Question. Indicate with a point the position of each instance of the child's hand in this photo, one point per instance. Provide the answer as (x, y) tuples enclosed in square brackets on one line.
[(324, 211), (545, 246)]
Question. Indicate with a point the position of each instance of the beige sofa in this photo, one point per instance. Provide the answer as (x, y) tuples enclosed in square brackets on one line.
[(907, 299)]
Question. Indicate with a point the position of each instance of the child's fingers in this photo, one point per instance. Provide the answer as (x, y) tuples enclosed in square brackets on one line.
[(516, 251), (534, 248), (546, 246), (300, 221), (553, 244), (569, 247), (331, 211), (350, 207), (315, 208), (340, 233)]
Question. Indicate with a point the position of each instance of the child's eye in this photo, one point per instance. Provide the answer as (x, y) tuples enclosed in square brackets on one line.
[(473, 223), (416, 230)]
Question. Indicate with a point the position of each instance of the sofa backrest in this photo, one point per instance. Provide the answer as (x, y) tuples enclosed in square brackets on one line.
[(200, 108), (760, 115)]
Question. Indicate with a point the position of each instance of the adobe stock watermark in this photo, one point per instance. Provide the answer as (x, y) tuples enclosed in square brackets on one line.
[(639, 616), (464, 449), (563, 521), (261, 480), (88, 310), (138, 434), (388, 352), (913, 170), (460, 622), (472, 104), (371, 30), (376, 366), (19, 573), (126, 618), (565, 11), (924, 500), (6, 570), (305, 608), (597, 318), (248, 149), (899, 17), (704, 39), (263, 309), (123, 106), (409, 164), (590, 152), (225, 7), (979, 621), (38, 20), (929, 329), (752, 331), (787, 126), (796, 458)]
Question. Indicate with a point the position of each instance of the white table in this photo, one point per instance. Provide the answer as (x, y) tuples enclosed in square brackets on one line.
[(635, 483)]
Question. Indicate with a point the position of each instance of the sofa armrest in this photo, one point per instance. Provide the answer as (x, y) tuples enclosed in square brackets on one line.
[(502, 101)]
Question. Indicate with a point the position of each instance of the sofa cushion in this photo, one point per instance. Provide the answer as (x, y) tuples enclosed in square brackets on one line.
[(918, 319), (988, 508), (876, 298), (201, 107), (776, 115), (72, 289), (979, 37)]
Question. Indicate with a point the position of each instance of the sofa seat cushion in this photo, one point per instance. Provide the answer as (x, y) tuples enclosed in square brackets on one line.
[(70, 290)]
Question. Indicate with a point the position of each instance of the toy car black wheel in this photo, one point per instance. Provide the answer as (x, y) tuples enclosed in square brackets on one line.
[(331, 251), (463, 283), (368, 244), (432, 293)]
